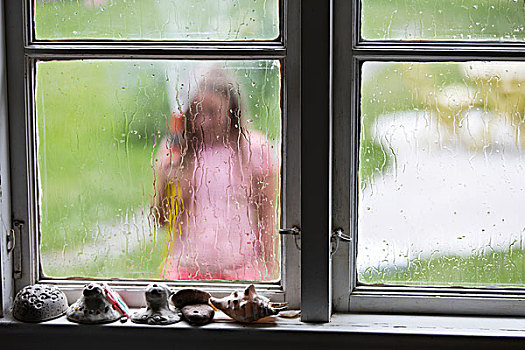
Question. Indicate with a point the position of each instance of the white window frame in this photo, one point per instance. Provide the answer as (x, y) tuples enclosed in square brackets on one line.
[(350, 51), (23, 50)]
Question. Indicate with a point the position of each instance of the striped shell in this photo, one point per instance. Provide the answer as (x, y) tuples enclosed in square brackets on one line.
[(247, 306)]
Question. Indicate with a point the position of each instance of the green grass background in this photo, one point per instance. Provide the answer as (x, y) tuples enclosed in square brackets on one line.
[(157, 19), (443, 20)]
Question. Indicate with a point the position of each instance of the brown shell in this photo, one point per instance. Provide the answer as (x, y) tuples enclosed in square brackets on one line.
[(247, 306), (198, 314), (189, 296)]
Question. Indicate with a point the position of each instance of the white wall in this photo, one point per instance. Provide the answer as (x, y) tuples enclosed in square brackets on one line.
[(5, 199)]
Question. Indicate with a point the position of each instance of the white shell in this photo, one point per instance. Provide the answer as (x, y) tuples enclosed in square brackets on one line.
[(158, 310), (247, 306)]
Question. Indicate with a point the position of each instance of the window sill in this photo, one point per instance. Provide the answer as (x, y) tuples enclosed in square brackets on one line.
[(359, 330)]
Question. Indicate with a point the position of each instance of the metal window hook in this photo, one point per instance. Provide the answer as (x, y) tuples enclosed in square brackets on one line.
[(294, 231), (11, 240), (337, 236)]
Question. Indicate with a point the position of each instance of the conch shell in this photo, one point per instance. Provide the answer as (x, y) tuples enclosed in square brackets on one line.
[(247, 306)]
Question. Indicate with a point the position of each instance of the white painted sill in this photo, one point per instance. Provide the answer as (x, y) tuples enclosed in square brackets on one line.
[(354, 328)]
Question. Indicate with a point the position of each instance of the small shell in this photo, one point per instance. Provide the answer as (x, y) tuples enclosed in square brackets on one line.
[(247, 306), (290, 314)]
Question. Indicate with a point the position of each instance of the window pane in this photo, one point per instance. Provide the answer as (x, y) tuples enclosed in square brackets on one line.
[(159, 169), (157, 19), (442, 174), (443, 20)]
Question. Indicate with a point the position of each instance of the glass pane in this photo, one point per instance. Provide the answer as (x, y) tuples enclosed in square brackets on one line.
[(157, 19), (487, 20), (160, 169), (442, 174)]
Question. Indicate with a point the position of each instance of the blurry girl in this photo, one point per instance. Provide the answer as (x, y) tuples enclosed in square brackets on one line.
[(217, 190)]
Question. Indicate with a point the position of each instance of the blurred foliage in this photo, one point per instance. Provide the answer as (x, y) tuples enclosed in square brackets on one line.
[(84, 112), (373, 160), (443, 20), (157, 19), (260, 86)]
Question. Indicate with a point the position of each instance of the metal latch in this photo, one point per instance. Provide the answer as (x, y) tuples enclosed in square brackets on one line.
[(10, 241), (290, 231), (293, 231), (337, 236), (17, 249)]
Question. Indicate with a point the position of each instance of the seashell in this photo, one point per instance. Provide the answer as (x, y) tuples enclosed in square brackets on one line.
[(247, 306), (158, 310), (92, 307), (194, 304), (39, 303)]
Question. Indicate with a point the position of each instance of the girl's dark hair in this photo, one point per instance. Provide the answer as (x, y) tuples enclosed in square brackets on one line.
[(217, 82)]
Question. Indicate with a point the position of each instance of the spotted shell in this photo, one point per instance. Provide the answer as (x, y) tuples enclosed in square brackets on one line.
[(39, 303), (247, 306)]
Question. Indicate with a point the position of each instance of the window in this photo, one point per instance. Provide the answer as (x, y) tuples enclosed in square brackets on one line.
[(344, 128), (429, 146), (105, 97)]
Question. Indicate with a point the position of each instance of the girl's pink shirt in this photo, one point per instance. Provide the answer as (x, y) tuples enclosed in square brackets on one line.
[(221, 235)]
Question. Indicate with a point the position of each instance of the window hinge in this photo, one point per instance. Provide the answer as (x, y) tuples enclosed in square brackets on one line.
[(337, 236), (295, 232), (16, 248)]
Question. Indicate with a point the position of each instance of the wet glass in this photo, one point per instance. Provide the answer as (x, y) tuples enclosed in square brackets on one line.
[(180, 20), (159, 169), (442, 174), (456, 20)]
